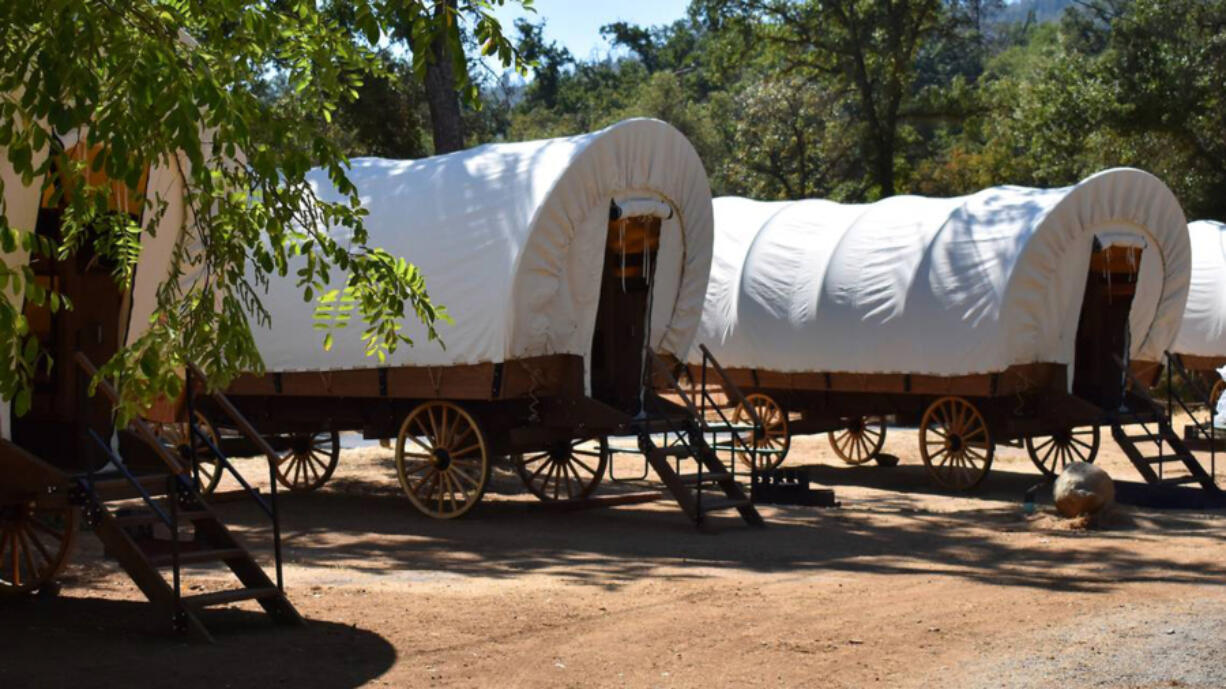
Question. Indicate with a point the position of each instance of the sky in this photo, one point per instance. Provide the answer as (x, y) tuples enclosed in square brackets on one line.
[(576, 23)]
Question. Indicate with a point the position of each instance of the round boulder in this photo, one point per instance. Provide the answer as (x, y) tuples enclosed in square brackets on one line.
[(1083, 489)]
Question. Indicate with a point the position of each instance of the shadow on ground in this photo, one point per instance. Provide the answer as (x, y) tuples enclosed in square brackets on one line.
[(127, 648), (369, 528)]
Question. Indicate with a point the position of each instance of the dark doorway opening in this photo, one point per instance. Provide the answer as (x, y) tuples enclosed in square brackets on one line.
[(62, 412), (1102, 330), (622, 318)]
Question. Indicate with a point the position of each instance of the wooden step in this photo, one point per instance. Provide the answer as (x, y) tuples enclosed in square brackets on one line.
[(187, 557), (679, 451), (110, 489), (1180, 480), (661, 425), (1142, 438), (704, 477), (1164, 459), (715, 504), (148, 518), (205, 600)]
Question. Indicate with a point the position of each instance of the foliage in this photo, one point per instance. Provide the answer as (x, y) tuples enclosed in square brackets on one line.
[(188, 81)]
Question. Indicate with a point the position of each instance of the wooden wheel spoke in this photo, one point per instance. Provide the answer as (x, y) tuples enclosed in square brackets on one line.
[(42, 525), (535, 458), (38, 545), (420, 466), (465, 452), (581, 463)]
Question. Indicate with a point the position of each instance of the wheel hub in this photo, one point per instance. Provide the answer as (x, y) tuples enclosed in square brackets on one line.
[(300, 445), (442, 459), (955, 444)]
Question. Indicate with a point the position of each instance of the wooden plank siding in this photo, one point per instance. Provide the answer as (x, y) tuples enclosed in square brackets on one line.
[(551, 375), (1014, 380)]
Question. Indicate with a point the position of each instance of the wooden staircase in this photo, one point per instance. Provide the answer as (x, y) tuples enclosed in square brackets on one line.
[(154, 525), (712, 487), (1157, 451)]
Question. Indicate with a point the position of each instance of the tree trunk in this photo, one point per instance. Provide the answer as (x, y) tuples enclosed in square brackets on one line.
[(441, 92)]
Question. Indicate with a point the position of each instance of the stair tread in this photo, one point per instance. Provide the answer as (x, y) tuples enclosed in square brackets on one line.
[(706, 477), (151, 518), (112, 482), (1181, 480), (724, 503), (1162, 459), (205, 600), (673, 451), (196, 556)]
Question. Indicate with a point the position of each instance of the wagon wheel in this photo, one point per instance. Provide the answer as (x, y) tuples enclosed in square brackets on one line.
[(34, 545), (176, 436), (1051, 453), (1216, 394), (774, 437), (955, 443), (566, 471), (441, 459), (309, 461), (860, 441)]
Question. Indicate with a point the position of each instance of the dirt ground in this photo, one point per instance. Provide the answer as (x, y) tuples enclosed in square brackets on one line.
[(900, 586)]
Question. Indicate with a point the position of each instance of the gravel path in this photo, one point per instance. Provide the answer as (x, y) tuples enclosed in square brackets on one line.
[(1136, 645)]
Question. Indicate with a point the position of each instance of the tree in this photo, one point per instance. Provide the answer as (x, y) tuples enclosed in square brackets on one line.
[(863, 47), (791, 144), (152, 81)]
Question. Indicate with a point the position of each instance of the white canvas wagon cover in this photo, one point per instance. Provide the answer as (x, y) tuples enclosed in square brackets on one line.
[(1203, 332), (511, 240), (954, 286)]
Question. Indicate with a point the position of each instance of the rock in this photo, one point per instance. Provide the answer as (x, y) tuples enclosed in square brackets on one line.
[(1083, 489)]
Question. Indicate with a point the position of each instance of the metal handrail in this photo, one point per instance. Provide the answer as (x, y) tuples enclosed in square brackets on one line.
[(705, 396), (1176, 362), (138, 425), (245, 427), (727, 385)]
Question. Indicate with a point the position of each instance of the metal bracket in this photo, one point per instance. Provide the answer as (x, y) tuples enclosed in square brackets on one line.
[(496, 387), (276, 383), (383, 382)]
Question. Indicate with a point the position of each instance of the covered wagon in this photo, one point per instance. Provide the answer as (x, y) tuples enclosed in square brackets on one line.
[(1200, 344), (567, 265), (1012, 313)]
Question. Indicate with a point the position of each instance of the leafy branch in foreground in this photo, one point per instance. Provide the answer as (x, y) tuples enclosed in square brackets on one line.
[(183, 85)]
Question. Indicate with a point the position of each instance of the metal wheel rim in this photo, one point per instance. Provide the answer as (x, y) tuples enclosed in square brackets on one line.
[(35, 544), (956, 444), (307, 468), (431, 484), (560, 475), (775, 435), (1052, 453), (859, 443)]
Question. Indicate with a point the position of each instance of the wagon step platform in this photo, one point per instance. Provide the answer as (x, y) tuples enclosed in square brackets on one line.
[(199, 539), (1158, 435), (172, 525), (713, 487)]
